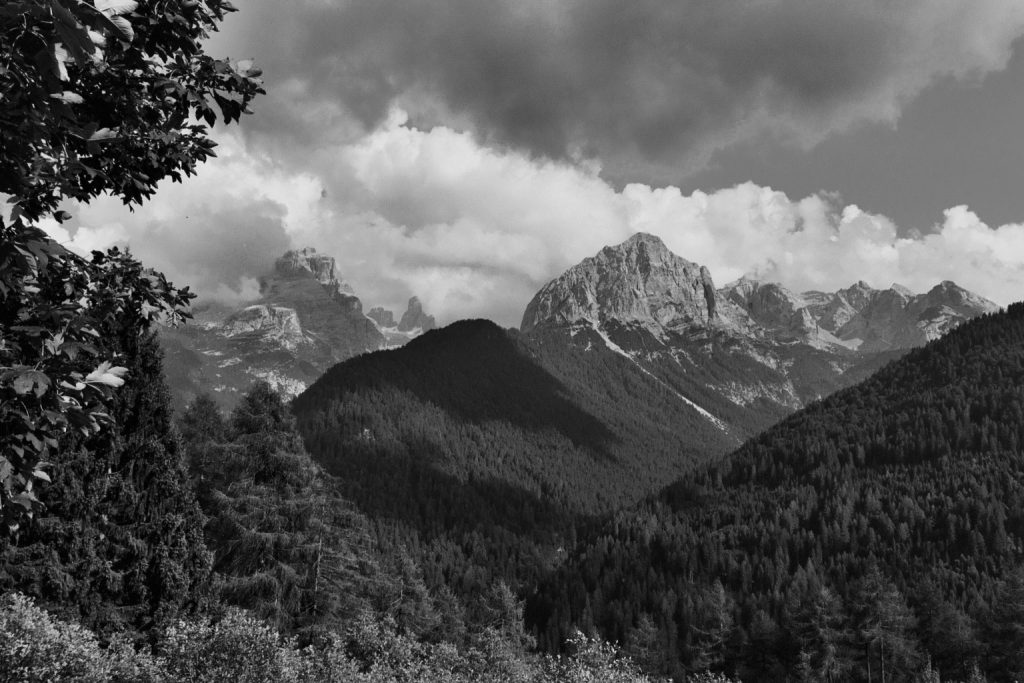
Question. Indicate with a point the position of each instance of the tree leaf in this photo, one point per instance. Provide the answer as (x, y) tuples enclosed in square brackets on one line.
[(103, 134), (124, 27), (68, 97), (113, 8), (31, 381)]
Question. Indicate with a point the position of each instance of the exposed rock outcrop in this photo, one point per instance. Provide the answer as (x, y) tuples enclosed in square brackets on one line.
[(382, 316), (639, 281), (297, 263), (414, 318), (306, 320)]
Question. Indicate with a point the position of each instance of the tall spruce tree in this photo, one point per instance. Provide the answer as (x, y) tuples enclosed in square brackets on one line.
[(120, 545)]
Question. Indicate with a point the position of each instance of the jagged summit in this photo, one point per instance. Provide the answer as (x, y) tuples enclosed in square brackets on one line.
[(754, 345), (414, 318), (306, 319), (298, 262), (637, 281)]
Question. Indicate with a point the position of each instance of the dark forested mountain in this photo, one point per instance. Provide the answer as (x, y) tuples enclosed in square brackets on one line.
[(748, 353), (474, 403), (481, 446), (870, 531), (306, 319)]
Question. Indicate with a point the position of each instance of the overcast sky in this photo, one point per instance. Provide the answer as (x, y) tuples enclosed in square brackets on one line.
[(467, 151)]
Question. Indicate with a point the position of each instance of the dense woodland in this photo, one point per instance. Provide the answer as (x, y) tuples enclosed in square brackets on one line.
[(879, 529), (482, 450), (220, 551), (478, 506)]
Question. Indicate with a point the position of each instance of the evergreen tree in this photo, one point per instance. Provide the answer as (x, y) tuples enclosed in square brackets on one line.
[(121, 545), (1004, 632), (284, 545), (885, 624)]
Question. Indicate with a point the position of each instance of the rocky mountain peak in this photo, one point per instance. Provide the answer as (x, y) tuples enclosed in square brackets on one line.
[(639, 281), (900, 289), (414, 317), (300, 262)]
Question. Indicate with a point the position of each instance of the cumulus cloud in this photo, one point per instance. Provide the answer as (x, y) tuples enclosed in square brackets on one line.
[(475, 232), (650, 88), (217, 232)]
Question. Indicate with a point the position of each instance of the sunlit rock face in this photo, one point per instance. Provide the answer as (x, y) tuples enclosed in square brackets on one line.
[(639, 282), (382, 317), (750, 344)]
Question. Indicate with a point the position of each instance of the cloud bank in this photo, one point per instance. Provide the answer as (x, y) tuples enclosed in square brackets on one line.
[(475, 231), (466, 152), (649, 88)]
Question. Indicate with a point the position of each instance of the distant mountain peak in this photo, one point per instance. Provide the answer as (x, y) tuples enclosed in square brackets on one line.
[(639, 281), (306, 319), (298, 262), (414, 318), (896, 287), (641, 238)]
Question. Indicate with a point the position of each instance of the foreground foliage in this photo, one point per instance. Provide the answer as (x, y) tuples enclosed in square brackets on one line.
[(96, 97), (36, 647), (120, 543)]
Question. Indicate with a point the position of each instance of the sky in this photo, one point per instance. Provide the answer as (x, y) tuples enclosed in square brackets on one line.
[(468, 151)]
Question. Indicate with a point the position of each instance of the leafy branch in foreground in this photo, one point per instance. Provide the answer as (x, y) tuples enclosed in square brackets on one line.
[(58, 310), (110, 96), (96, 97)]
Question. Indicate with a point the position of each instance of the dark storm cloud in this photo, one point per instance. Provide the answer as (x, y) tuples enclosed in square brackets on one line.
[(644, 85)]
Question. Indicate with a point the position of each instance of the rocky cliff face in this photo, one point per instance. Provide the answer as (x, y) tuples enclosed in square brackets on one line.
[(745, 354), (382, 317), (637, 282), (306, 320), (299, 263)]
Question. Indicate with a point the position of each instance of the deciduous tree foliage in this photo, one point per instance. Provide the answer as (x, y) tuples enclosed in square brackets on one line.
[(96, 96), (109, 96)]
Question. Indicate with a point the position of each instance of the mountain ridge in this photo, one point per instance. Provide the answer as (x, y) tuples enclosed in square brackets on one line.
[(760, 347), (306, 319)]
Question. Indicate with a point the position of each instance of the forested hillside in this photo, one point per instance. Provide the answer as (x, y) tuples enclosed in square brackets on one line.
[(874, 530), (474, 401), (481, 450)]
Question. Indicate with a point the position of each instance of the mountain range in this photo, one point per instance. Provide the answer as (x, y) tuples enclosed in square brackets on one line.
[(742, 356), (875, 530), (306, 319), (748, 353), (742, 478), (690, 471)]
